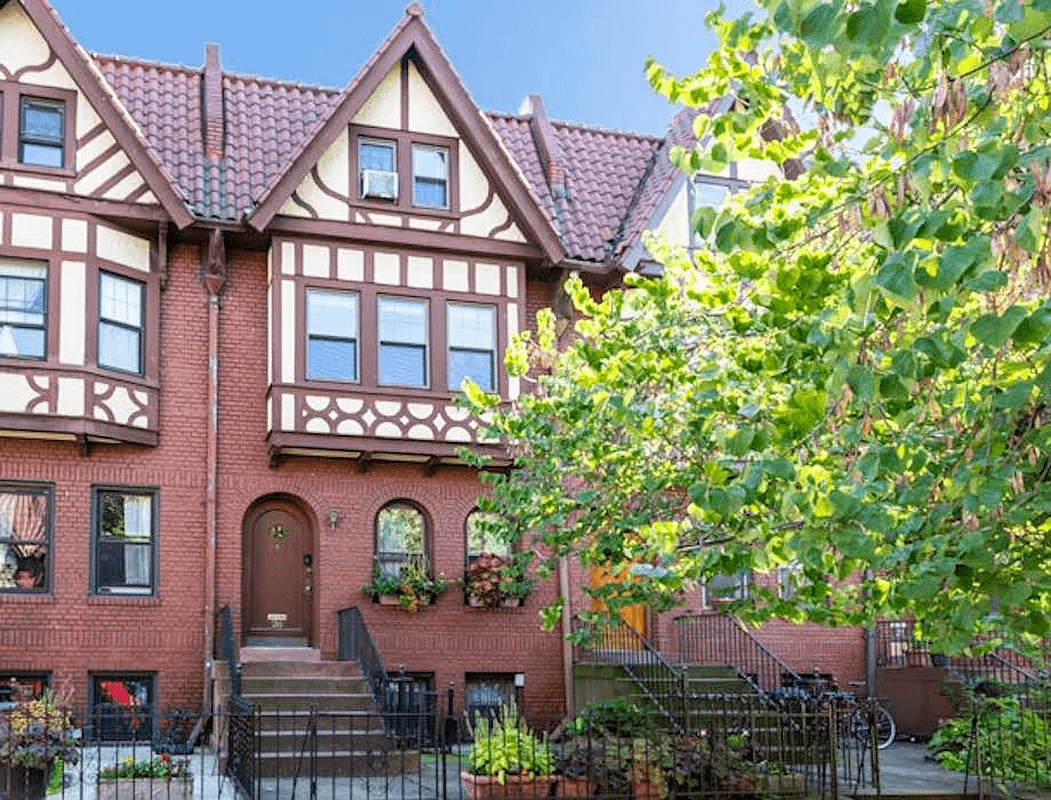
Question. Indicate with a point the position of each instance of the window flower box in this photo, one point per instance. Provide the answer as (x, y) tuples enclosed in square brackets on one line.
[(146, 788), (411, 589), (493, 581)]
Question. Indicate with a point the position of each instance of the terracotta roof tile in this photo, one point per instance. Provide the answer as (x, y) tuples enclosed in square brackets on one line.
[(614, 179)]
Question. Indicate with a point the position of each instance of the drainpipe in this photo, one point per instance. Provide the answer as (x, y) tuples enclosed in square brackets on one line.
[(567, 628), (213, 279)]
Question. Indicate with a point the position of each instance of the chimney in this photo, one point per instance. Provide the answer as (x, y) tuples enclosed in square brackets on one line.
[(551, 158), (214, 123)]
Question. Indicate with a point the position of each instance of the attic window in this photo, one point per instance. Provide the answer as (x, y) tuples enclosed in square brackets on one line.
[(430, 176), (378, 166), (42, 132)]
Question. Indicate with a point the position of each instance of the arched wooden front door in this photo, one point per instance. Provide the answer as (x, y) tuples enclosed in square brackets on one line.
[(278, 582)]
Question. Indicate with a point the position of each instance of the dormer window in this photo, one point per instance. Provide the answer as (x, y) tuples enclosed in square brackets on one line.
[(430, 176), (378, 166), (42, 132)]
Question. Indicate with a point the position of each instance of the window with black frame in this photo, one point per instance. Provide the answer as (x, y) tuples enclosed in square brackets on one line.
[(25, 539), (42, 132), (121, 321), (125, 538), (487, 692), (472, 345), (400, 538), (23, 308), (23, 685), (332, 335), (403, 326), (122, 707)]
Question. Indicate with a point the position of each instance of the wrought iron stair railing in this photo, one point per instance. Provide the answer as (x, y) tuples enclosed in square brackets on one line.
[(720, 640), (663, 684)]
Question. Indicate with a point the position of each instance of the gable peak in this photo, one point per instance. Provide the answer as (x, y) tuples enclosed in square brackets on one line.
[(414, 10)]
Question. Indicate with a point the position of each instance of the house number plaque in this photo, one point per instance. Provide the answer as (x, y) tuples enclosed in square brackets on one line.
[(277, 620)]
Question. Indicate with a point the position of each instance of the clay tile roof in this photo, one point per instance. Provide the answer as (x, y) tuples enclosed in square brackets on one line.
[(614, 179)]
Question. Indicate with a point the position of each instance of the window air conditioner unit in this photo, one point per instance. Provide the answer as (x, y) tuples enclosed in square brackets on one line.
[(379, 183)]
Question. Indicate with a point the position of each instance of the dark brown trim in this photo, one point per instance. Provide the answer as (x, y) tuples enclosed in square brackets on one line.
[(74, 427), (89, 81), (411, 34), (386, 235), (113, 180), (43, 200), (375, 448)]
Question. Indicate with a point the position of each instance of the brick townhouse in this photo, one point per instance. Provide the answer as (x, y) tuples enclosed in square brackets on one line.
[(233, 316)]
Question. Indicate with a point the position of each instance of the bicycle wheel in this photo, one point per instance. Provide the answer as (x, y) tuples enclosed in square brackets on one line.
[(886, 730)]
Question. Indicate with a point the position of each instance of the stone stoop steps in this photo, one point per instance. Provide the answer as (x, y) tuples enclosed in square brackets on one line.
[(349, 739)]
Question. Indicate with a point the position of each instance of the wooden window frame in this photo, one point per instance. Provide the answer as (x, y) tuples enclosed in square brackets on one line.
[(381, 557), (428, 345), (494, 361), (48, 490), (142, 330), (356, 338), (153, 493), (46, 264), (12, 95), (404, 141)]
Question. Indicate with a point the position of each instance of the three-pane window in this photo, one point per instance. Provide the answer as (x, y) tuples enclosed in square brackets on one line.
[(23, 308), (430, 176), (402, 341), (332, 335), (25, 536), (42, 132), (472, 345), (125, 535), (120, 323)]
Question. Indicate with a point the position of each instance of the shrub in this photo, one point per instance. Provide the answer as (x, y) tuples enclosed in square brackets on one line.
[(163, 767), (506, 746)]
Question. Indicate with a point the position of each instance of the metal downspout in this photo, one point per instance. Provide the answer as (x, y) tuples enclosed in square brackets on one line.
[(567, 628)]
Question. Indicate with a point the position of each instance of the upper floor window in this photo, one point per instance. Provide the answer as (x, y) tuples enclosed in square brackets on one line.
[(124, 541), (23, 308), (378, 168), (705, 194), (400, 537), (25, 539), (430, 176), (472, 345), (42, 132), (36, 129), (403, 326), (727, 587), (332, 335), (120, 323)]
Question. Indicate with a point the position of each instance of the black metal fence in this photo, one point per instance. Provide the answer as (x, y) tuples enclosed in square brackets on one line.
[(724, 746)]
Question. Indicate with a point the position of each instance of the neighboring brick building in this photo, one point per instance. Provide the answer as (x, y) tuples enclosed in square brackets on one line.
[(230, 312)]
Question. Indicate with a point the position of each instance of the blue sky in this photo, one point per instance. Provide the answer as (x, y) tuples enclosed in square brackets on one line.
[(584, 57)]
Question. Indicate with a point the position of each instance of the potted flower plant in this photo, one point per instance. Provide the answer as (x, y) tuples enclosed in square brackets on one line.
[(492, 581), (507, 760), (35, 731), (411, 589), (157, 778)]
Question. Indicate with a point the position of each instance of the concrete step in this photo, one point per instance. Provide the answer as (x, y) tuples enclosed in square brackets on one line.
[(366, 721), (340, 764), (302, 703), (293, 668), (268, 654), (300, 684), (328, 740)]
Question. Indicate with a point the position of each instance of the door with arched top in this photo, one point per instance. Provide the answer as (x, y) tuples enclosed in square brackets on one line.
[(278, 575)]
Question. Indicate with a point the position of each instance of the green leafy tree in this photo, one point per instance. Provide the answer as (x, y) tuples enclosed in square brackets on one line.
[(854, 376)]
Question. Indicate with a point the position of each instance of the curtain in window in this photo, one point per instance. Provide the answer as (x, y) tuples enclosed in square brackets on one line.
[(137, 527)]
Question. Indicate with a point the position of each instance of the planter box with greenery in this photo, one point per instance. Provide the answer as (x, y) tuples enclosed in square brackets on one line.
[(507, 760), (492, 581), (161, 778), (411, 589)]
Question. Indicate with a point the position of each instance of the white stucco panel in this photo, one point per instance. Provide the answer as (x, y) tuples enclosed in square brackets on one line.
[(288, 258), (326, 206), (21, 44), (124, 187), (87, 118), (122, 248), (44, 184), (15, 391), (420, 272), (32, 230), (288, 332), (55, 75), (315, 261), (70, 397), (480, 224), (334, 166), (474, 186), (90, 181), (293, 209), (757, 170), (74, 236), (73, 294), (93, 149), (383, 108), (120, 405), (676, 222), (425, 112), (386, 269), (455, 276), (350, 264), (486, 278), (420, 432), (288, 412)]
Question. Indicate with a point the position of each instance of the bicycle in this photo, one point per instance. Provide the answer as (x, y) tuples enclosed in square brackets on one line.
[(822, 691)]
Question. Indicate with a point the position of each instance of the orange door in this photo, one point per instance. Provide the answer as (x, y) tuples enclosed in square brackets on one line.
[(633, 616)]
